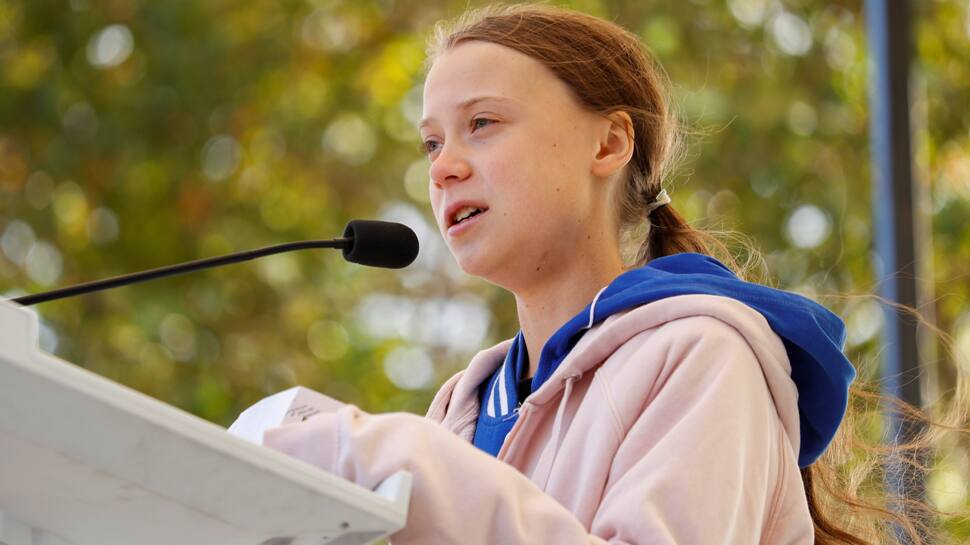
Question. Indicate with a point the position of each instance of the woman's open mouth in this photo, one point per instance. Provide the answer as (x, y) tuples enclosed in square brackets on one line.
[(466, 222)]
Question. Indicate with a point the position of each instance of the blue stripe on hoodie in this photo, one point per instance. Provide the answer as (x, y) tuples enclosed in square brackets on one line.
[(813, 336)]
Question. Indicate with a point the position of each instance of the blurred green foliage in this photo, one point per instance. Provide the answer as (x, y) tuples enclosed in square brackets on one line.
[(136, 134)]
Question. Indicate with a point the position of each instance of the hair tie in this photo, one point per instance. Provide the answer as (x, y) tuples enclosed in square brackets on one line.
[(661, 199)]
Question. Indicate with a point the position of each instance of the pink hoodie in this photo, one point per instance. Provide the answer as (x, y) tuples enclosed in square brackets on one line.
[(672, 423)]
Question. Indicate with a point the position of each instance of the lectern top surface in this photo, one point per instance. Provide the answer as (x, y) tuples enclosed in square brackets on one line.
[(92, 462)]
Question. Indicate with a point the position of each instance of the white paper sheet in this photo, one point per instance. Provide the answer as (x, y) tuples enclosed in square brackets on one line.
[(287, 407)]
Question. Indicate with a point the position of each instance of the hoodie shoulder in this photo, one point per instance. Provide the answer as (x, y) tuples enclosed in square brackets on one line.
[(631, 351), (812, 335)]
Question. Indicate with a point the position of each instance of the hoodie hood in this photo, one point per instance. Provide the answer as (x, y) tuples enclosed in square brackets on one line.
[(812, 335)]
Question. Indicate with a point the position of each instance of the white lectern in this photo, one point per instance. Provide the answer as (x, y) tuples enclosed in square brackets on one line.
[(87, 461)]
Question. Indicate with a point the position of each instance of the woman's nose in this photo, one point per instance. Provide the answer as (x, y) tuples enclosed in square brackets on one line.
[(449, 166)]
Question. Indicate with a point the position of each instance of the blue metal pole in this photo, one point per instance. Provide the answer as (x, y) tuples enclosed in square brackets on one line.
[(888, 27)]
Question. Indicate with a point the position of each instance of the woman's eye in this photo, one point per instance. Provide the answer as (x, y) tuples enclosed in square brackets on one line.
[(430, 146), (481, 122)]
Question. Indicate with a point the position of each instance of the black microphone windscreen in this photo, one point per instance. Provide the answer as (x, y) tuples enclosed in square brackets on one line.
[(380, 244)]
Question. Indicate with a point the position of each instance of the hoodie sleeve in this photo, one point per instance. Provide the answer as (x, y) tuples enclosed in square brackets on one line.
[(693, 468), (460, 495)]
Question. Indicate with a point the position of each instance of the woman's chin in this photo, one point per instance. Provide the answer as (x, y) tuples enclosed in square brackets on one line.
[(473, 265), (476, 262), (499, 273)]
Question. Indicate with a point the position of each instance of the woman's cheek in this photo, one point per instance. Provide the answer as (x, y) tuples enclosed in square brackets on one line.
[(435, 196)]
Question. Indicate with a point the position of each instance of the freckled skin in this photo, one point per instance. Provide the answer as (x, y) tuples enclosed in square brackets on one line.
[(535, 162), (500, 163)]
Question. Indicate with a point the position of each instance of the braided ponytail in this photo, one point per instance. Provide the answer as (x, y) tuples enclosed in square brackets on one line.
[(669, 233)]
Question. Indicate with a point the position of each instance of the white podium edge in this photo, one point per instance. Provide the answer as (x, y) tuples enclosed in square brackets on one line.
[(396, 489)]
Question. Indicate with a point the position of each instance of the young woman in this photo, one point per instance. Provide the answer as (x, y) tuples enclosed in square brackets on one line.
[(664, 401)]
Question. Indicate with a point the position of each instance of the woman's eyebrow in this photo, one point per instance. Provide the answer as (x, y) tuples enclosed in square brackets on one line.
[(465, 104)]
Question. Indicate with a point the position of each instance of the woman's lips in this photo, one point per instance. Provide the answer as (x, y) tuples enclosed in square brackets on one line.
[(465, 225)]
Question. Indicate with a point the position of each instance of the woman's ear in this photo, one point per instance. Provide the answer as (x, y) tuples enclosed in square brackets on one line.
[(615, 144)]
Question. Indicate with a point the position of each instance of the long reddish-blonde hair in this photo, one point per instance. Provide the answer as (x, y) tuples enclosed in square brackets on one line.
[(609, 70)]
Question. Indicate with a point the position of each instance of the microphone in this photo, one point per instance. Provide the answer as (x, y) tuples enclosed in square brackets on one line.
[(380, 244), (367, 242)]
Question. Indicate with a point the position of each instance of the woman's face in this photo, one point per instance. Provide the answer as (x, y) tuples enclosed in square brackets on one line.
[(506, 136)]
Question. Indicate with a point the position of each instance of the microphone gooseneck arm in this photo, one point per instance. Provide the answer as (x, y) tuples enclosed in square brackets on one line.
[(125, 279)]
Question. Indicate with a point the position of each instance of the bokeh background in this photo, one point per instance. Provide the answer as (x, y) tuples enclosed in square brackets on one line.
[(138, 133)]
